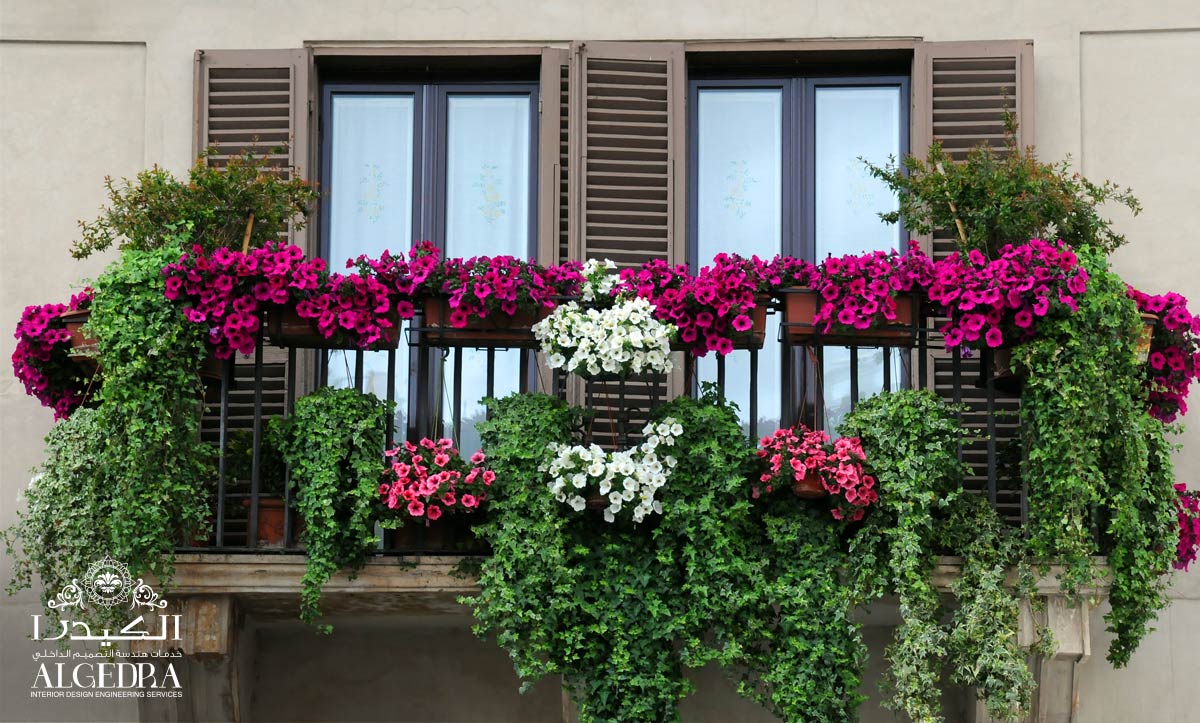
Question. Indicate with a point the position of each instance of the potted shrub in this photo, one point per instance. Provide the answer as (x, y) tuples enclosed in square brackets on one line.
[(870, 299), (720, 309), (53, 358), (428, 489), (998, 197), (242, 204), (332, 443), (492, 301), (1173, 353), (813, 466)]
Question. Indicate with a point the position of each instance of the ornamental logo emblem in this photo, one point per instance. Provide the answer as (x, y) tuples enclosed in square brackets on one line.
[(107, 583)]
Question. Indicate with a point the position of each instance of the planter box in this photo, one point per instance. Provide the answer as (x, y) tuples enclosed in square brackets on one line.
[(753, 338), (801, 304), (1146, 336), (285, 328), (497, 331)]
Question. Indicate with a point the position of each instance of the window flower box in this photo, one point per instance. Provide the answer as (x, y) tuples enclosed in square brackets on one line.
[(801, 304), (443, 328), (285, 327)]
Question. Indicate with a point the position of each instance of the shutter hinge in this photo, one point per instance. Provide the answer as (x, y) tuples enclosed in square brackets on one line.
[(539, 105)]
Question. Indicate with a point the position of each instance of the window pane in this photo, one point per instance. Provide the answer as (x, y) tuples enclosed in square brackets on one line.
[(853, 124), (487, 213), (740, 195), (370, 210)]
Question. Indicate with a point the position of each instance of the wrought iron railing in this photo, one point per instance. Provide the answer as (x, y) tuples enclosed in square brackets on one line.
[(266, 385)]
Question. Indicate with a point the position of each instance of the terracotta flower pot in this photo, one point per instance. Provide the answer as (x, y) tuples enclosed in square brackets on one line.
[(801, 304), (1006, 376), (752, 338), (810, 488), (285, 328), (497, 331), (271, 514)]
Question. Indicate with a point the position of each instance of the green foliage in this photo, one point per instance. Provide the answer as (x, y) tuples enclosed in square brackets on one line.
[(1143, 532), (218, 201), (1002, 197), (65, 526), (982, 641), (911, 440), (618, 611), (806, 663), (157, 469), (333, 444), (1094, 455)]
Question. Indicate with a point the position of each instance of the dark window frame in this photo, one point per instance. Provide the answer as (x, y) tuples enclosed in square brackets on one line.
[(430, 153), (798, 188)]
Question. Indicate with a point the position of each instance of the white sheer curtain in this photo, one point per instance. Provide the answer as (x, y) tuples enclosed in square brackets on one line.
[(739, 209), (487, 213), (852, 125), (370, 210)]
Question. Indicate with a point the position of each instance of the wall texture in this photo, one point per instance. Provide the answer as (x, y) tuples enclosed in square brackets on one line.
[(89, 89)]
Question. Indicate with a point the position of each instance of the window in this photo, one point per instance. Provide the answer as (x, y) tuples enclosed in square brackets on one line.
[(775, 168), (454, 163)]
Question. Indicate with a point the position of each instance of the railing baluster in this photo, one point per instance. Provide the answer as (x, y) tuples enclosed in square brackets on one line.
[(956, 382), (456, 422), (753, 411), (223, 440), (358, 369), (287, 470), (390, 434), (853, 377), (721, 376), (256, 457), (491, 372), (986, 362), (887, 368)]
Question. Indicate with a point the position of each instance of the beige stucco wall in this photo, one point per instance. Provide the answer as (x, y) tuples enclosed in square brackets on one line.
[(88, 89)]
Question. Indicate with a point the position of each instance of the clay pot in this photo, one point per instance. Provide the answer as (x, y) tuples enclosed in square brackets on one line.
[(496, 331), (285, 328), (801, 304), (810, 488)]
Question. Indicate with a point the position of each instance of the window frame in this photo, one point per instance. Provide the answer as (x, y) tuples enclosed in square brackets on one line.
[(429, 199), (798, 188)]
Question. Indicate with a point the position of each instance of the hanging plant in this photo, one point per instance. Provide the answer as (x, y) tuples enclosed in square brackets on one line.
[(814, 466), (1003, 301), (1174, 361), (617, 341), (866, 299), (425, 480), (42, 357), (332, 443), (1187, 507), (623, 483), (720, 309)]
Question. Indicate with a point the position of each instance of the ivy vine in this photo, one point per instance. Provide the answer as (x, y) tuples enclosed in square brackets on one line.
[(333, 443)]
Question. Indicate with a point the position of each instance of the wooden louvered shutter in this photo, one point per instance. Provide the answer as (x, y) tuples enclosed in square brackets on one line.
[(256, 99), (626, 187), (628, 184), (960, 91), (553, 157)]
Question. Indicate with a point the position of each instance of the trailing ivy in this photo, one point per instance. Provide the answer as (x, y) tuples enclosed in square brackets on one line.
[(158, 470), (65, 524), (807, 662), (618, 611), (983, 644), (333, 444), (1094, 456), (911, 439)]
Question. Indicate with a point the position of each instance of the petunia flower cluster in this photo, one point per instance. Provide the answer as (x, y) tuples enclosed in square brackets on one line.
[(483, 285), (41, 359), (790, 455), (857, 291), (226, 289), (1188, 510), (620, 340), (599, 282), (429, 478), (624, 482), (1174, 353), (1001, 300), (712, 309)]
